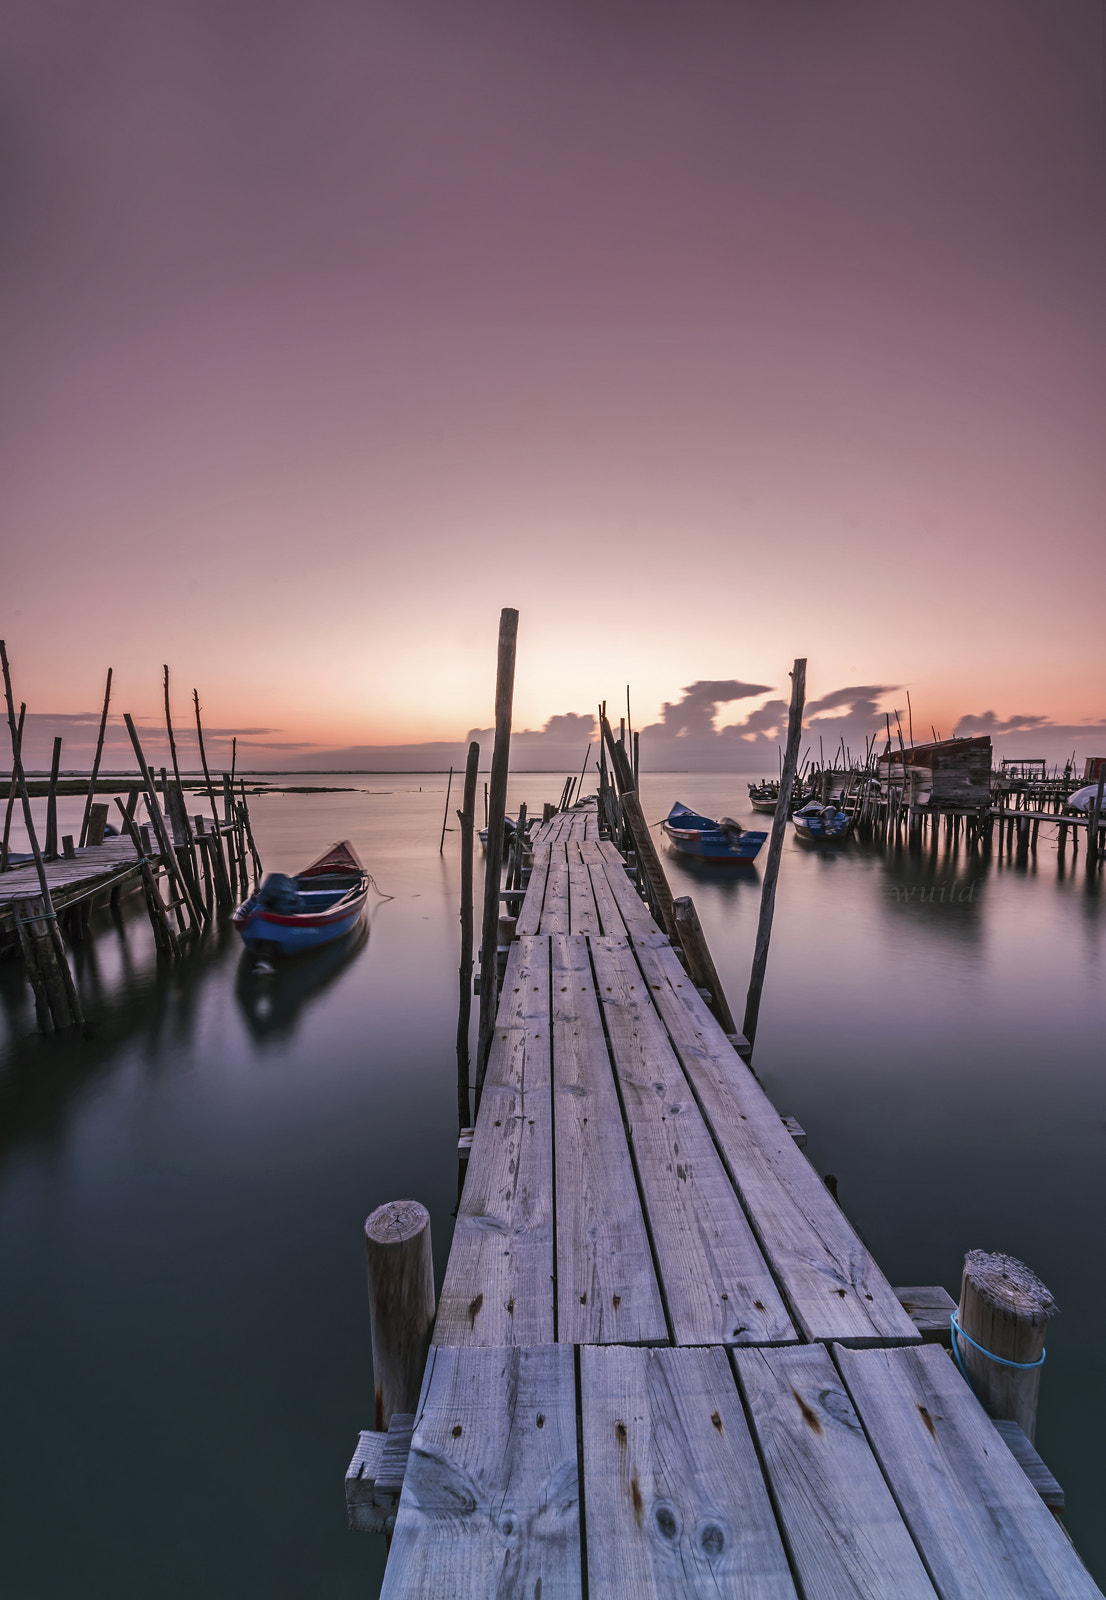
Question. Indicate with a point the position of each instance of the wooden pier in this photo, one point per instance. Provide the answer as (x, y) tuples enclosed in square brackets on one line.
[(664, 1363)]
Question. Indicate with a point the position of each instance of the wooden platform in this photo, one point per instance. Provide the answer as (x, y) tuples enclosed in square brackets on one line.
[(664, 1363), (88, 871)]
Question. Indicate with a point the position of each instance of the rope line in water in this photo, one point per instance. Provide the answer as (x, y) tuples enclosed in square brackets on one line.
[(378, 889), (958, 1334)]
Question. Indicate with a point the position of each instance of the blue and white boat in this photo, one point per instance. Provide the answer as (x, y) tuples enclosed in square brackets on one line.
[(819, 824), (706, 840), (320, 904)]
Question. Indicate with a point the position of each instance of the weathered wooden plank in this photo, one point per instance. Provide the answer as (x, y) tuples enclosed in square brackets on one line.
[(833, 1286), (929, 1307), (529, 914), (843, 1528), (498, 1287), (606, 1287), (715, 1283), (1029, 1461), (490, 1503), (981, 1527), (611, 920), (555, 911), (675, 1500), (635, 913), (583, 915)]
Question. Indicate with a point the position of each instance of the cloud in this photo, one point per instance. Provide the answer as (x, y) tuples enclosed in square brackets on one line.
[(988, 722), (860, 699), (695, 713)]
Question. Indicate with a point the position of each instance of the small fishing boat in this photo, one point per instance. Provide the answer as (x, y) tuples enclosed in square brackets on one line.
[(819, 824), (706, 840), (321, 903), (764, 797)]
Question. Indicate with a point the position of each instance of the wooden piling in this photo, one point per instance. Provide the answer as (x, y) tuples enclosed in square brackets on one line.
[(165, 935), (49, 950), (699, 962), (50, 848), (91, 795), (401, 1304), (467, 816), (1093, 824), (775, 848), (1005, 1308), (11, 794), (95, 824), (445, 815), (158, 822), (247, 831), (215, 849), (497, 810)]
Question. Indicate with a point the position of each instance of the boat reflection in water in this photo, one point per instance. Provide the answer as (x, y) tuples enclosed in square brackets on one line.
[(272, 998)]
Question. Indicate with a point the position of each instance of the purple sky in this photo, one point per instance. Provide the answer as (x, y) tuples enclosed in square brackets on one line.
[(706, 334)]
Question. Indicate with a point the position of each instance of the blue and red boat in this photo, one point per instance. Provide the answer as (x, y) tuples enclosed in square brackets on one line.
[(706, 840), (320, 904)]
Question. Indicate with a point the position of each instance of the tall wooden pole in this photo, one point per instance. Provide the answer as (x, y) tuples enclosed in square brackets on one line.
[(1092, 825), (445, 816), (165, 846), (493, 857), (775, 849), (464, 1010), (96, 762), (12, 788), (50, 849), (48, 915)]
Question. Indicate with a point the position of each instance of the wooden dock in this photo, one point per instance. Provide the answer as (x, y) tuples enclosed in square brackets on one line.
[(664, 1363), (87, 874)]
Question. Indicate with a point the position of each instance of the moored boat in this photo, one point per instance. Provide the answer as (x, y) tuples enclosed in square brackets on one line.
[(706, 840), (320, 904), (822, 824), (764, 797)]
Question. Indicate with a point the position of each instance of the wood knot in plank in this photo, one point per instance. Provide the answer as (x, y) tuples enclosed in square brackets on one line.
[(810, 1416)]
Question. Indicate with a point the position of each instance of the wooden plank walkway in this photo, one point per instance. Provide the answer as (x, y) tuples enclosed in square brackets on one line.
[(664, 1363), (70, 879)]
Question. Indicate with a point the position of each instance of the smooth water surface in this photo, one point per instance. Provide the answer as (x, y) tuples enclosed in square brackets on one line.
[(185, 1330)]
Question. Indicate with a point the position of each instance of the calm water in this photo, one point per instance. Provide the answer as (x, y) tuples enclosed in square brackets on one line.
[(185, 1333)]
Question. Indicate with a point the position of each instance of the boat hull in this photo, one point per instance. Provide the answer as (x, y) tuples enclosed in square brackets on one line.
[(813, 831), (269, 934), (275, 921), (702, 847)]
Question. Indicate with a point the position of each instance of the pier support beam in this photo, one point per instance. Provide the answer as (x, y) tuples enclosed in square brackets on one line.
[(401, 1304), (1005, 1308)]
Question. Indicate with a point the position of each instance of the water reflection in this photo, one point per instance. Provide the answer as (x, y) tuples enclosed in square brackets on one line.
[(271, 999)]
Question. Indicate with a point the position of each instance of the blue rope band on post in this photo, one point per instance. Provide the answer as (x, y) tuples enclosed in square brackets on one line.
[(958, 1334)]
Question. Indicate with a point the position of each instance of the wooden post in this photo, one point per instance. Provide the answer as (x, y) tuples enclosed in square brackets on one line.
[(96, 764), (228, 816), (775, 847), (401, 1304), (68, 848), (215, 848), (50, 849), (497, 810), (700, 965), (12, 787), (467, 817), (95, 824), (21, 910), (445, 818), (1095, 818), (165, 936), (67, 1012), (248, 831), (158, 822), (1005, 1308), (650, 864)]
